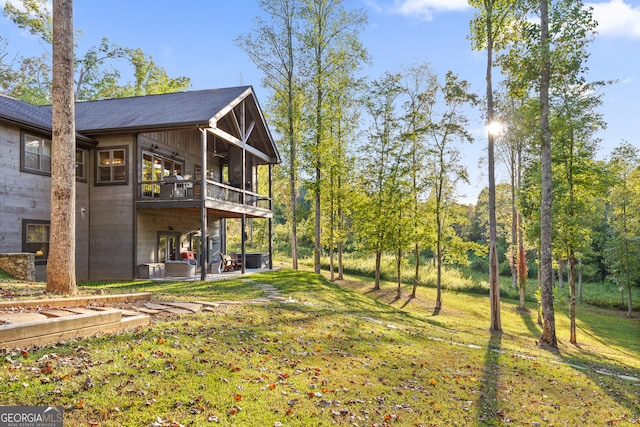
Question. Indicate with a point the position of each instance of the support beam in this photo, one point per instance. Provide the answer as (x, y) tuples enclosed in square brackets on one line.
[(239, 143), (204, 247)]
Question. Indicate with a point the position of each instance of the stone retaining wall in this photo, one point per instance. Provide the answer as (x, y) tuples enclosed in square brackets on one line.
[(22, 266)]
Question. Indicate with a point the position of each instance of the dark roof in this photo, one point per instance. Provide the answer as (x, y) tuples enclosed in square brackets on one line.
[(23, 113), (154, 111)]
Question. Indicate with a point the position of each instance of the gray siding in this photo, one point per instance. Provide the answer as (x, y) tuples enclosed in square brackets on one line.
[(111, 220), (27, 196)]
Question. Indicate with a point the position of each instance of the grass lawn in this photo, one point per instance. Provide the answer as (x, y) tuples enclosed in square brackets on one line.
[(340, 354)]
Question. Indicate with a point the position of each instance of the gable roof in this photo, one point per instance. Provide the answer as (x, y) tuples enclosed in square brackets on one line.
[(163, 111), (24, 114), (30, 116)]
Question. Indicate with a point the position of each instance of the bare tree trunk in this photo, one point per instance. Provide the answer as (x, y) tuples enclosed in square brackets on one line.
[(61, 264), (398, 272), (494, 284), (294, 232), (580, 279), (572, 303), (340, 234), (560, 273), (548, 337), (332, 273), (376, 285), (317, 245), (416, 277), (438, 306), (522, 271), (514, 224)]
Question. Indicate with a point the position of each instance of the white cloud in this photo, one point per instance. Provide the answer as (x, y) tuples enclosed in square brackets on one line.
[(425, 9), (617, 18)]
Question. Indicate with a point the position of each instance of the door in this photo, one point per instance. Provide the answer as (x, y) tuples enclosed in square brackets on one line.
[(168, 244)]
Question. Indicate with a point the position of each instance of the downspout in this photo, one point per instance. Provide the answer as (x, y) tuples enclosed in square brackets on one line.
[(203, 209)]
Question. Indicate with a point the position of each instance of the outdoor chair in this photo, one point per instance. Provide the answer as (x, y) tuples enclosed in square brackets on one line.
[(237, 261)]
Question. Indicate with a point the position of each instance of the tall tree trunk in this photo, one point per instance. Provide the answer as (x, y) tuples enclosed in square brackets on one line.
[(340, 231), (317, 243), (548, 337), (580, 279), (376, 286), (522, 270), (560, 273), (494, 284), (332, 273), (416, 277), (514, 222), (398, 272), (572, 292), (61, 264)]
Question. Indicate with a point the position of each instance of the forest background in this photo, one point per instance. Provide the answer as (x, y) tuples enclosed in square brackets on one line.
[(375, 164)]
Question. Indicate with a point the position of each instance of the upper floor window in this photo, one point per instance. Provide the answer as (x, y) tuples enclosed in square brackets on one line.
[(81, 165), (36, 154), (112, 166)]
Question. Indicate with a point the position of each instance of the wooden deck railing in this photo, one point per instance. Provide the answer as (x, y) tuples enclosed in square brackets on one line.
[(192, 190)]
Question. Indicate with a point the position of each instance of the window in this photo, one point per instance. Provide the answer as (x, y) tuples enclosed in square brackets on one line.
[(36, 154), (112, 166), (154, 169), (81, 165), (35, 239)]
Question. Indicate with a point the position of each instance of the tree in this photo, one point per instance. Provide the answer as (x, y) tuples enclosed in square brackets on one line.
[(93, 79), (623, 245), (343, 118), (420, 85), (444, 128), (380, 169), (272, 47), (517, 118), (327, 29), (575, 123), (487, 30), (548, 337), (61, 265)]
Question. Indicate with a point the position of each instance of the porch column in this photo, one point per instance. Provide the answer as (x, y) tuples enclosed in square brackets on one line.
[(242, 234), (204, 246), (271, 217)]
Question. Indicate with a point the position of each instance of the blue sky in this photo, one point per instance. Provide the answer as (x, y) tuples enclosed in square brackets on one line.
[(195, 38)]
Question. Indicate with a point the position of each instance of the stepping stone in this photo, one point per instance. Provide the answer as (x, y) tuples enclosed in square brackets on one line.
[(57, 313), (130, 313), (148, 310), (21, 317), (209, 304), (154, 306), (192, 307), (176, 310)]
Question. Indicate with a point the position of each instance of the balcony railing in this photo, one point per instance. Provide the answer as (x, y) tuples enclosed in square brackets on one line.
[(180, 190)]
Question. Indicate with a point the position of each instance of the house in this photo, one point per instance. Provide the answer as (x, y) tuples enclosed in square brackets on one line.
[(156, 178)]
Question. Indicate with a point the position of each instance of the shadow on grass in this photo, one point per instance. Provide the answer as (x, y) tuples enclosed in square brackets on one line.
[(487, 410), (532, 326), (614, 379)]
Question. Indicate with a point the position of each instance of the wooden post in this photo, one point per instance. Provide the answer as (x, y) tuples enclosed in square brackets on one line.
[(204, 247)]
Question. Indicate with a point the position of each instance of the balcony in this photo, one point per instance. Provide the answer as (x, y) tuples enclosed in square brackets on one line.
[(227, 201)]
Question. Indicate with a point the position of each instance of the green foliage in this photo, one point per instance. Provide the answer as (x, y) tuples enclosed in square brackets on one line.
[(30, 78)]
